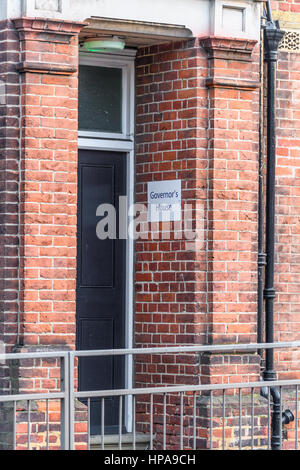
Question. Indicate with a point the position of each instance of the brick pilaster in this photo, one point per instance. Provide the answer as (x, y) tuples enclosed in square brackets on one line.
[(39, 195), (9, 182), (233, 83), (48, 180)]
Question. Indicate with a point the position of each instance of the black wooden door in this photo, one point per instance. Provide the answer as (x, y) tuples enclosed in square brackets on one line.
[(101, 281)]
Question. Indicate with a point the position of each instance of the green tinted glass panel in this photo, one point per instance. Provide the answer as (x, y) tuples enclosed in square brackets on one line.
[(100, 99)]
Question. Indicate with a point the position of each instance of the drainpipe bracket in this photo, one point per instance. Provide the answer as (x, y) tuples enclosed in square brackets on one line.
[(269, 375), (262, 259), (269, 293)]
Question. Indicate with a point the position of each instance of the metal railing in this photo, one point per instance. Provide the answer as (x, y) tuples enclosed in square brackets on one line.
[(175, 417), (63, 395)]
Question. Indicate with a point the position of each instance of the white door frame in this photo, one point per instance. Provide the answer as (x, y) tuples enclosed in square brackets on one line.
[(123, 142)]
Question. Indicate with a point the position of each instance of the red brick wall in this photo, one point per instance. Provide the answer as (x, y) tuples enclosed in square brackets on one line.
[(209, 140), (197, 121), (171, 144), (286, 5), (204, 133)]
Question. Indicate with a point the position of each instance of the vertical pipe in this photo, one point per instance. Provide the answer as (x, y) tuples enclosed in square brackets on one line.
[(272, 38), (269, 292), (261, 206)]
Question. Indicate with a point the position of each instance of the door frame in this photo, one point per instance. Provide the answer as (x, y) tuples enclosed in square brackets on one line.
[(124, 142)]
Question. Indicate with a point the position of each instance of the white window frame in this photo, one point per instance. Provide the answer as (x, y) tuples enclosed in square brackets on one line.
[(124, 143), (125, 62)]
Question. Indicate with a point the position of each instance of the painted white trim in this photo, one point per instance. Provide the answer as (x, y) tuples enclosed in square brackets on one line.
[(249, 25), (58, 9), (195, 15), (126, 146), (10, 9), (106, 144), (126, 64)]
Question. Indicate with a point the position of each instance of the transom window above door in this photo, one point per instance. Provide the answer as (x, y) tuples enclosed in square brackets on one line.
[(106, 97), (100, 99)]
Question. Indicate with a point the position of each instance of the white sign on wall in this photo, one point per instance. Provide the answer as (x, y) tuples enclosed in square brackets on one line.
[(164, 201)]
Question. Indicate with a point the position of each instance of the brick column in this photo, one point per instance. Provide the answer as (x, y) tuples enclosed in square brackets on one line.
[(47, 66), (233, 188), (48, 181), (233, 139), (9, 158)]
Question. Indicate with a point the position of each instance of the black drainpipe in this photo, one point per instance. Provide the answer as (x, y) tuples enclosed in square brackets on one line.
[(272, 37), (261, 206)]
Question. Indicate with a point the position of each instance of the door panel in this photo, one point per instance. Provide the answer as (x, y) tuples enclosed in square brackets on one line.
[(101, 282), (93, 253)]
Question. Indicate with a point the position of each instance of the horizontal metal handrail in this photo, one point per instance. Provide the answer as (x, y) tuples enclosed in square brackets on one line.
[(32, 397), (156, 350), (182, 388), (129, 396), (36, 355), (186, 349)]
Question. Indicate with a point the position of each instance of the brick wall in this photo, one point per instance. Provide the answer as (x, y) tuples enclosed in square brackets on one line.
[(171, 303), (291, 6), (171, 144), (197, 121), (208, 139)]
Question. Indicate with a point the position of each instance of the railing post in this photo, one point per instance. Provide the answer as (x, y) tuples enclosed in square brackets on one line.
[(71, 400), (65, 405)]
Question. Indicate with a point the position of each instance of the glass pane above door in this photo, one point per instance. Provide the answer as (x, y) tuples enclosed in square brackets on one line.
[(100, 99)]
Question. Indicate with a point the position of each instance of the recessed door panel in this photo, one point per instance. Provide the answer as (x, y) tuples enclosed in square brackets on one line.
[(98, 187)]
